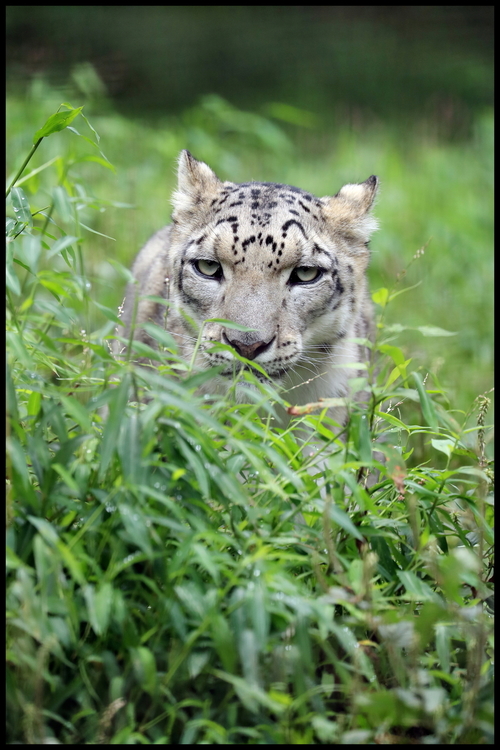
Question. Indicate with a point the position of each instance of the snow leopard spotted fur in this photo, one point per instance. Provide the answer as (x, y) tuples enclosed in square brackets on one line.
[(272, 258)]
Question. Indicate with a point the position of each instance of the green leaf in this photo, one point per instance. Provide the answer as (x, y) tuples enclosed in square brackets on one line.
[(23, 265), (395, 328), (223, 638), (67, 478), (398, 371), (196, 465), (397, 356), (30, 251), (62, 203), (251, 695), (161, 336), (129, 446), (416, 589), (206, 561), (428, 410), (445, 446), (443, 646), (103, 602), (74, 565), (37, 170), (12, 561), (10, 226), (21, 206), (229, 324), (346, 637), (79, 413), (57, 122), (122, 270), (102, 160), (16, 345), (105, 161), (260, 615), (11, 279), (109, 314), (394, 352), (362, 437), (20, 475), (137, 531), (342, 519), (61, 244), (117, 404), (11, 396), (98, 606), (381, 297), (34, 403), (46, 530), (94, 231), (434, 331), (57, 289)]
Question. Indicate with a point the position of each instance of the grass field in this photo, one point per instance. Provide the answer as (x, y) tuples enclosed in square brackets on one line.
[(179, 570)]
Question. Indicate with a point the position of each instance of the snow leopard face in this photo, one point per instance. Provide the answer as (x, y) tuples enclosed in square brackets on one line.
[(288, 268)]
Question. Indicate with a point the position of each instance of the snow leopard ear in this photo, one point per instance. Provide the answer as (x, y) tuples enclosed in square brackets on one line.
[(348, 211), (196, 185)]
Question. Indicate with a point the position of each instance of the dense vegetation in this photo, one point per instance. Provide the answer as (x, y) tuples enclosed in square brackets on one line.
[(178, 569)]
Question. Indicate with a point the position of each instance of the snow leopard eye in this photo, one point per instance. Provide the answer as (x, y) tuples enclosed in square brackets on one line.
[(305, 274), (208, 268)]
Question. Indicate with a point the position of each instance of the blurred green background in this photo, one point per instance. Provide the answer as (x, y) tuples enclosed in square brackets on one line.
[(313, 96)]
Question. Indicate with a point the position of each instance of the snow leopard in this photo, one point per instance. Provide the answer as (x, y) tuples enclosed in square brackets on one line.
[(287, 267)]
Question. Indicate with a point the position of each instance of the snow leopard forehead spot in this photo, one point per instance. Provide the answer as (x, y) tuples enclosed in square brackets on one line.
[(263, 198), (266, 215)]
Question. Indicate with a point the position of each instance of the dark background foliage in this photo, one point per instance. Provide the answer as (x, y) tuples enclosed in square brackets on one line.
[(390, 62)]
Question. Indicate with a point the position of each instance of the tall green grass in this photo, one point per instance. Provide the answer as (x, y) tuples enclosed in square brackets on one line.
[(179, 570)]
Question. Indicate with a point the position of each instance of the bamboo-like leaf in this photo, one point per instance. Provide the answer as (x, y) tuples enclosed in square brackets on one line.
[(21, 206), (61, 244), (110, 435), (428, 410), (56, 123)]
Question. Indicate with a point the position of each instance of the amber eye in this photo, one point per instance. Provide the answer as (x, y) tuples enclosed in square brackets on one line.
[(209, 268), (305, 274)]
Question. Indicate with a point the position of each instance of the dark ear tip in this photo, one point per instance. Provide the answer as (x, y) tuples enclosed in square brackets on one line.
[(372, 181), (187, 154)]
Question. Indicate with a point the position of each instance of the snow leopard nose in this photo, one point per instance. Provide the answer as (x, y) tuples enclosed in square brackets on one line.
[(244, 345)]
